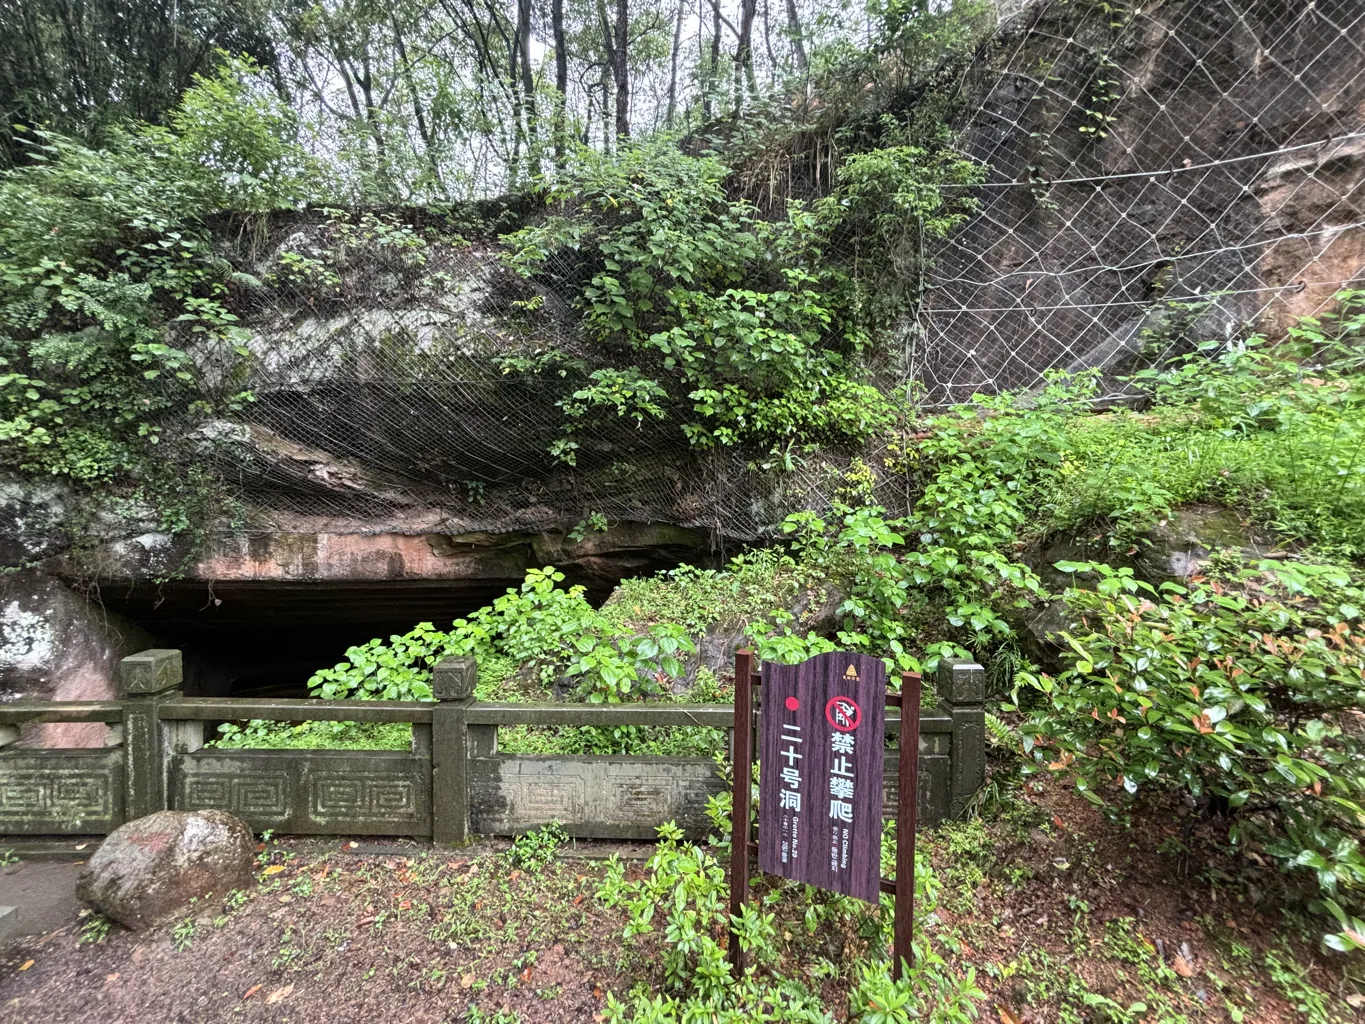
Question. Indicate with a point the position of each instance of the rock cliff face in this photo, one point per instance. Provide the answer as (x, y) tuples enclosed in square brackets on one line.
[(1160, 174), (1175, 174)]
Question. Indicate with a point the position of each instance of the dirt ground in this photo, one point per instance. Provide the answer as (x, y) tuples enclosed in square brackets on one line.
[(1065, 918)]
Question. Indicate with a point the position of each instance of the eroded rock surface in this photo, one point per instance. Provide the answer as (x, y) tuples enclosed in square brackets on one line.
[(58, 644)]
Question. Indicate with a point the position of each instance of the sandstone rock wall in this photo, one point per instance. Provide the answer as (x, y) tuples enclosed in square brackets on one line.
[(1185, 172)]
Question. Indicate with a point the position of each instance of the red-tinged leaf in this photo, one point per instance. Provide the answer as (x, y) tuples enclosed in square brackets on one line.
[(526, 974), (1057, 821), (1006, 1015), (514, 876), (251, 991), (1182, 967), (404, 904)]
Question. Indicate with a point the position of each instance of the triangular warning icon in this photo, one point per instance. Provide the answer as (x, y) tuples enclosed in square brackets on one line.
[(851, 673)]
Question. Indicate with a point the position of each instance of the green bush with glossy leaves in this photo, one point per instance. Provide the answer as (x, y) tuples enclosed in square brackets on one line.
[(1241, 691)]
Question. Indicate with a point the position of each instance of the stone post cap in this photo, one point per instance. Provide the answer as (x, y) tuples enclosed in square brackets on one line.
[(151, 671), (961, 681), (454, 678)]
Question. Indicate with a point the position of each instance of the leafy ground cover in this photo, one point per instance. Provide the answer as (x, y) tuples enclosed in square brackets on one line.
[(1045, 913)]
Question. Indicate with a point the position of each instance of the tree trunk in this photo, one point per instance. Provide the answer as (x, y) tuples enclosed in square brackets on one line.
[(794, 27), (417, 112), (714, 75), (561, 78), (606, 110), (673, 67), (528, 85), (621, 71), (744, 52)]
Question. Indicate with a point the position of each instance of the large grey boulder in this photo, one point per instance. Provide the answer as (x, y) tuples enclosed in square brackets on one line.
[(148, 869)]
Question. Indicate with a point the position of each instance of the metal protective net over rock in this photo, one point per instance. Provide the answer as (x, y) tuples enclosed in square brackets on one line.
[(1186, 171), (1155, 178)]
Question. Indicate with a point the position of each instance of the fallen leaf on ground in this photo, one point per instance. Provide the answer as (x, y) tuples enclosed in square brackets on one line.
[(251, 991), (279, 993), (26, 965), (526, 974), (466, 981), (1006, 1015), (111, 977), (405, 904), (364, 921), (274, 869), (1183, 967), (352, 845), (514, 876), (81, 846)]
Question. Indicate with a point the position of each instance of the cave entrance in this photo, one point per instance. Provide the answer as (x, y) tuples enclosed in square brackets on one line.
[(264, 639), (253, 633)]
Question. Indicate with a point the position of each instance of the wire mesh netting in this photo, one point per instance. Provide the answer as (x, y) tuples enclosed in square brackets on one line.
[(1155, 178), (1188, 171)]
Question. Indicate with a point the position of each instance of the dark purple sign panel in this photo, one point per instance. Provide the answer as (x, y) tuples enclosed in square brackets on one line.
[(821, 735)]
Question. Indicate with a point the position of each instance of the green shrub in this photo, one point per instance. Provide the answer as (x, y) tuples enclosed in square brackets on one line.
[(553, 631), (683, 901), (1278, 432), (1240, 691), (738, 327)]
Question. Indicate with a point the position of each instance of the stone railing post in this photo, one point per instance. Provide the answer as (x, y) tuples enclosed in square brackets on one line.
[(452, 684), (962, 689), (146, 680)]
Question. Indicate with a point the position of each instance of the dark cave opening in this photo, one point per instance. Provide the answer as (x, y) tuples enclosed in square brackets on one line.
[(265, 638)]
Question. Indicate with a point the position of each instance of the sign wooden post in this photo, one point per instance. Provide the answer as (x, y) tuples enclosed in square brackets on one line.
[(821, 751)]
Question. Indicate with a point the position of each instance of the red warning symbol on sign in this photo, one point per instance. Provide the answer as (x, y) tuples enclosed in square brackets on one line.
[(843, 713)]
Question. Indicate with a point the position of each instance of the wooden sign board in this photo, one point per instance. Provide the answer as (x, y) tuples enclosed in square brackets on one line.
[(821, 749)]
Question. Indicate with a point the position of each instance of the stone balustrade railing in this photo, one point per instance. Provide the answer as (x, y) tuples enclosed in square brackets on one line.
[(450, 784)]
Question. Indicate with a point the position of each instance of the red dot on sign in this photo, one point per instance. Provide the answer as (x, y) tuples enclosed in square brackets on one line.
[(793, 704)]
